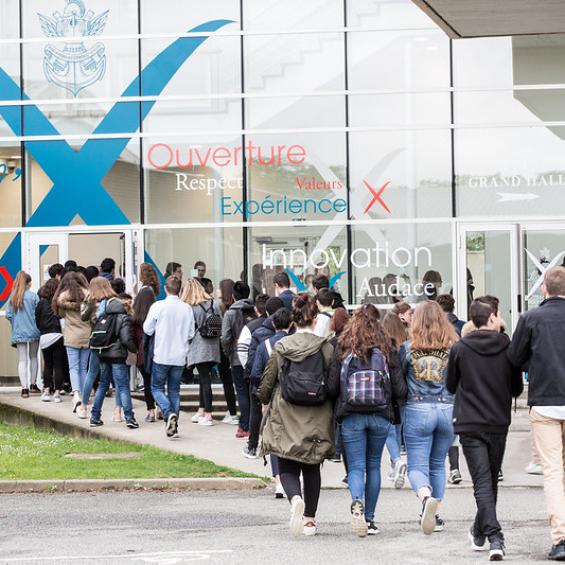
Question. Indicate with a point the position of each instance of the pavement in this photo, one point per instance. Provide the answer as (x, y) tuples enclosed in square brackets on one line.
[(218, 444), (251, 528)]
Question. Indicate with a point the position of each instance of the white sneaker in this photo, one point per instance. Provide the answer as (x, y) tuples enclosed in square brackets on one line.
[(296, 515), (57, 398), (279, 491), (399, 474), (82, 412), (205, 422), (229, 419), (196, 418), (309, 529), (46, 397), (534, 469)]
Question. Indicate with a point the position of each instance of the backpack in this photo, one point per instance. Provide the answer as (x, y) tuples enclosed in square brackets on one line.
[(104, 332), (365, 388), (304, 383), (212, 326)]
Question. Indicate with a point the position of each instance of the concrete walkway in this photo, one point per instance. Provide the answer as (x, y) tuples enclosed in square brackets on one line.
[(218, 443)]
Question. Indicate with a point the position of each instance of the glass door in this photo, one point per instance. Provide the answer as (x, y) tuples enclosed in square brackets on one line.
[(40, 250), (488, 263)]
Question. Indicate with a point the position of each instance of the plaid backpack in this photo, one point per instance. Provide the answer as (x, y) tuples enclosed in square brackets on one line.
[(365, 386)]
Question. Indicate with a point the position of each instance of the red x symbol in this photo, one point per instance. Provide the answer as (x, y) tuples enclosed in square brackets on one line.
[(9, 283), (377, 196)]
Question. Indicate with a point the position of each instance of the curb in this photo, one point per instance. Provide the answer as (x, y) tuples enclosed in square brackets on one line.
[(115, 485)]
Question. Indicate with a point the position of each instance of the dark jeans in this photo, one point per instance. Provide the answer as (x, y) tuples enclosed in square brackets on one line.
[(227, 382), (484, 452), (453, 455), (149, 400), (242, 390), (55, 365), (290, 479), (168, 376), (205, 385), (255, 418), (274, 465)]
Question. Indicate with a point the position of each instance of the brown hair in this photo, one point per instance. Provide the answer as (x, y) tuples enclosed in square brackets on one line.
[(554, 281), (431, 329), (148, 277), (18, 290), (194, 293), (99, 289), (395, 329), (401, 308), (48, 290), (226, 291), (363, 333), (339, 320), (304, 310), (173, 285), (74, 285)]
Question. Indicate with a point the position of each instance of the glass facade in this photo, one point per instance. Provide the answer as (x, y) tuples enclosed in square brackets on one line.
[(357, 144)]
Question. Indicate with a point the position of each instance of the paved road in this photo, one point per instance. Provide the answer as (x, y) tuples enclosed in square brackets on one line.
[(248, 529)]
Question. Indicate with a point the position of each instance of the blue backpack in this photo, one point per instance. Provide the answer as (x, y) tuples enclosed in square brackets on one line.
[(365, 387)]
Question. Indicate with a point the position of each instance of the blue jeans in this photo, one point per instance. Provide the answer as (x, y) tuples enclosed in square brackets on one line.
[(428, 433), (78, 363), (169, 376), (93, 370), (394, 439), (364, 437), (120, 373)]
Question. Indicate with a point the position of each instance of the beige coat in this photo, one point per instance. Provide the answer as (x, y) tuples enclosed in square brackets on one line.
[(76, 332)]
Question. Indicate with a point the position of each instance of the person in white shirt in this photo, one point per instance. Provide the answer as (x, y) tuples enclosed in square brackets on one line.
[(172, 323)]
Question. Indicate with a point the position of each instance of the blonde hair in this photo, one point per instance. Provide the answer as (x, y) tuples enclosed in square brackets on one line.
[(554, 281), (19, 289), (193, 293), (99, 289), (431, 329)]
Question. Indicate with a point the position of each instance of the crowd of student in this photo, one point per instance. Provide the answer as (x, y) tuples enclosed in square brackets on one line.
[(313, 383)]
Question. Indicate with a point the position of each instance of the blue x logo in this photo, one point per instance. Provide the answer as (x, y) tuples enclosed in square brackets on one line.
[(77, 175)]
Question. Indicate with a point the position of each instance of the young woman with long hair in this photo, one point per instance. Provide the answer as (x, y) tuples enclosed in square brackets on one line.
[(364, 355), (204, 352), (398, 334), (146, 296), (67, 304), (225, 295), (302, 437), (51, 343), (405, 312), (99, 290), (428, 427), (25, 335)]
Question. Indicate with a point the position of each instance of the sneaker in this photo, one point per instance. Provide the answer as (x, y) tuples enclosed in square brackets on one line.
[(57, 398), (76, 402), (478, 543), (34, 389), (279, 491), (82, 412), (497, 551), (25, 393), (372, 529), (94, 423), (63, 392), (399, 474), (132, 423), (296, 515), (46, 396), (557, 552), (455, 477), (500, 476), (309, 528), (240, 434), (196, 418), (206, 422), (345, 480), (250, 452), (440, 524), (358, 523), (172, 425), (232, 420), (534, 469), (150, 417), (428, 517)]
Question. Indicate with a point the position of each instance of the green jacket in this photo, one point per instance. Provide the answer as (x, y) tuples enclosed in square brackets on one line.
[(299, 433)]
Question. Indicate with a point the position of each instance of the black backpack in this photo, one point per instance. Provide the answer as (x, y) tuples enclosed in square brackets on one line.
[(304, 383), (212, 326), (104, 333)]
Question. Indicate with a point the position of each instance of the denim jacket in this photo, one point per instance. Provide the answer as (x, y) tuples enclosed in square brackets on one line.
[(24, 328), (426, 373)]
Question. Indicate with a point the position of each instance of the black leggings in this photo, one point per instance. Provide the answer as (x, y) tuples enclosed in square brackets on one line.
[(453, 454), (290, 479), (255, 418), (55, 365), (227, 382), (149, 400), (205, 385)]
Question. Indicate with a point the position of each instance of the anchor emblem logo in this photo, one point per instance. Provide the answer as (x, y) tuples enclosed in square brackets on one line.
[(74, 67)]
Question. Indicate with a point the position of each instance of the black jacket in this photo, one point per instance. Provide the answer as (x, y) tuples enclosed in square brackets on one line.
[(397, 394), (118, 351), (258, 336), (484, 380), (45, 319), (539, 343)]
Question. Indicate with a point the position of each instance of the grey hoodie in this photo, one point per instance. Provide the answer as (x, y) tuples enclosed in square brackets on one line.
[(235, 318)]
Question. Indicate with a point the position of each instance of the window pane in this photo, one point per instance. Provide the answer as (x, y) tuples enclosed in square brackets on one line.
[(386, 14), (10, 185)]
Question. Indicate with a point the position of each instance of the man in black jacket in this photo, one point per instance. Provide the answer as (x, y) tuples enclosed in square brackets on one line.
[(539, 343), (484, 380)]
